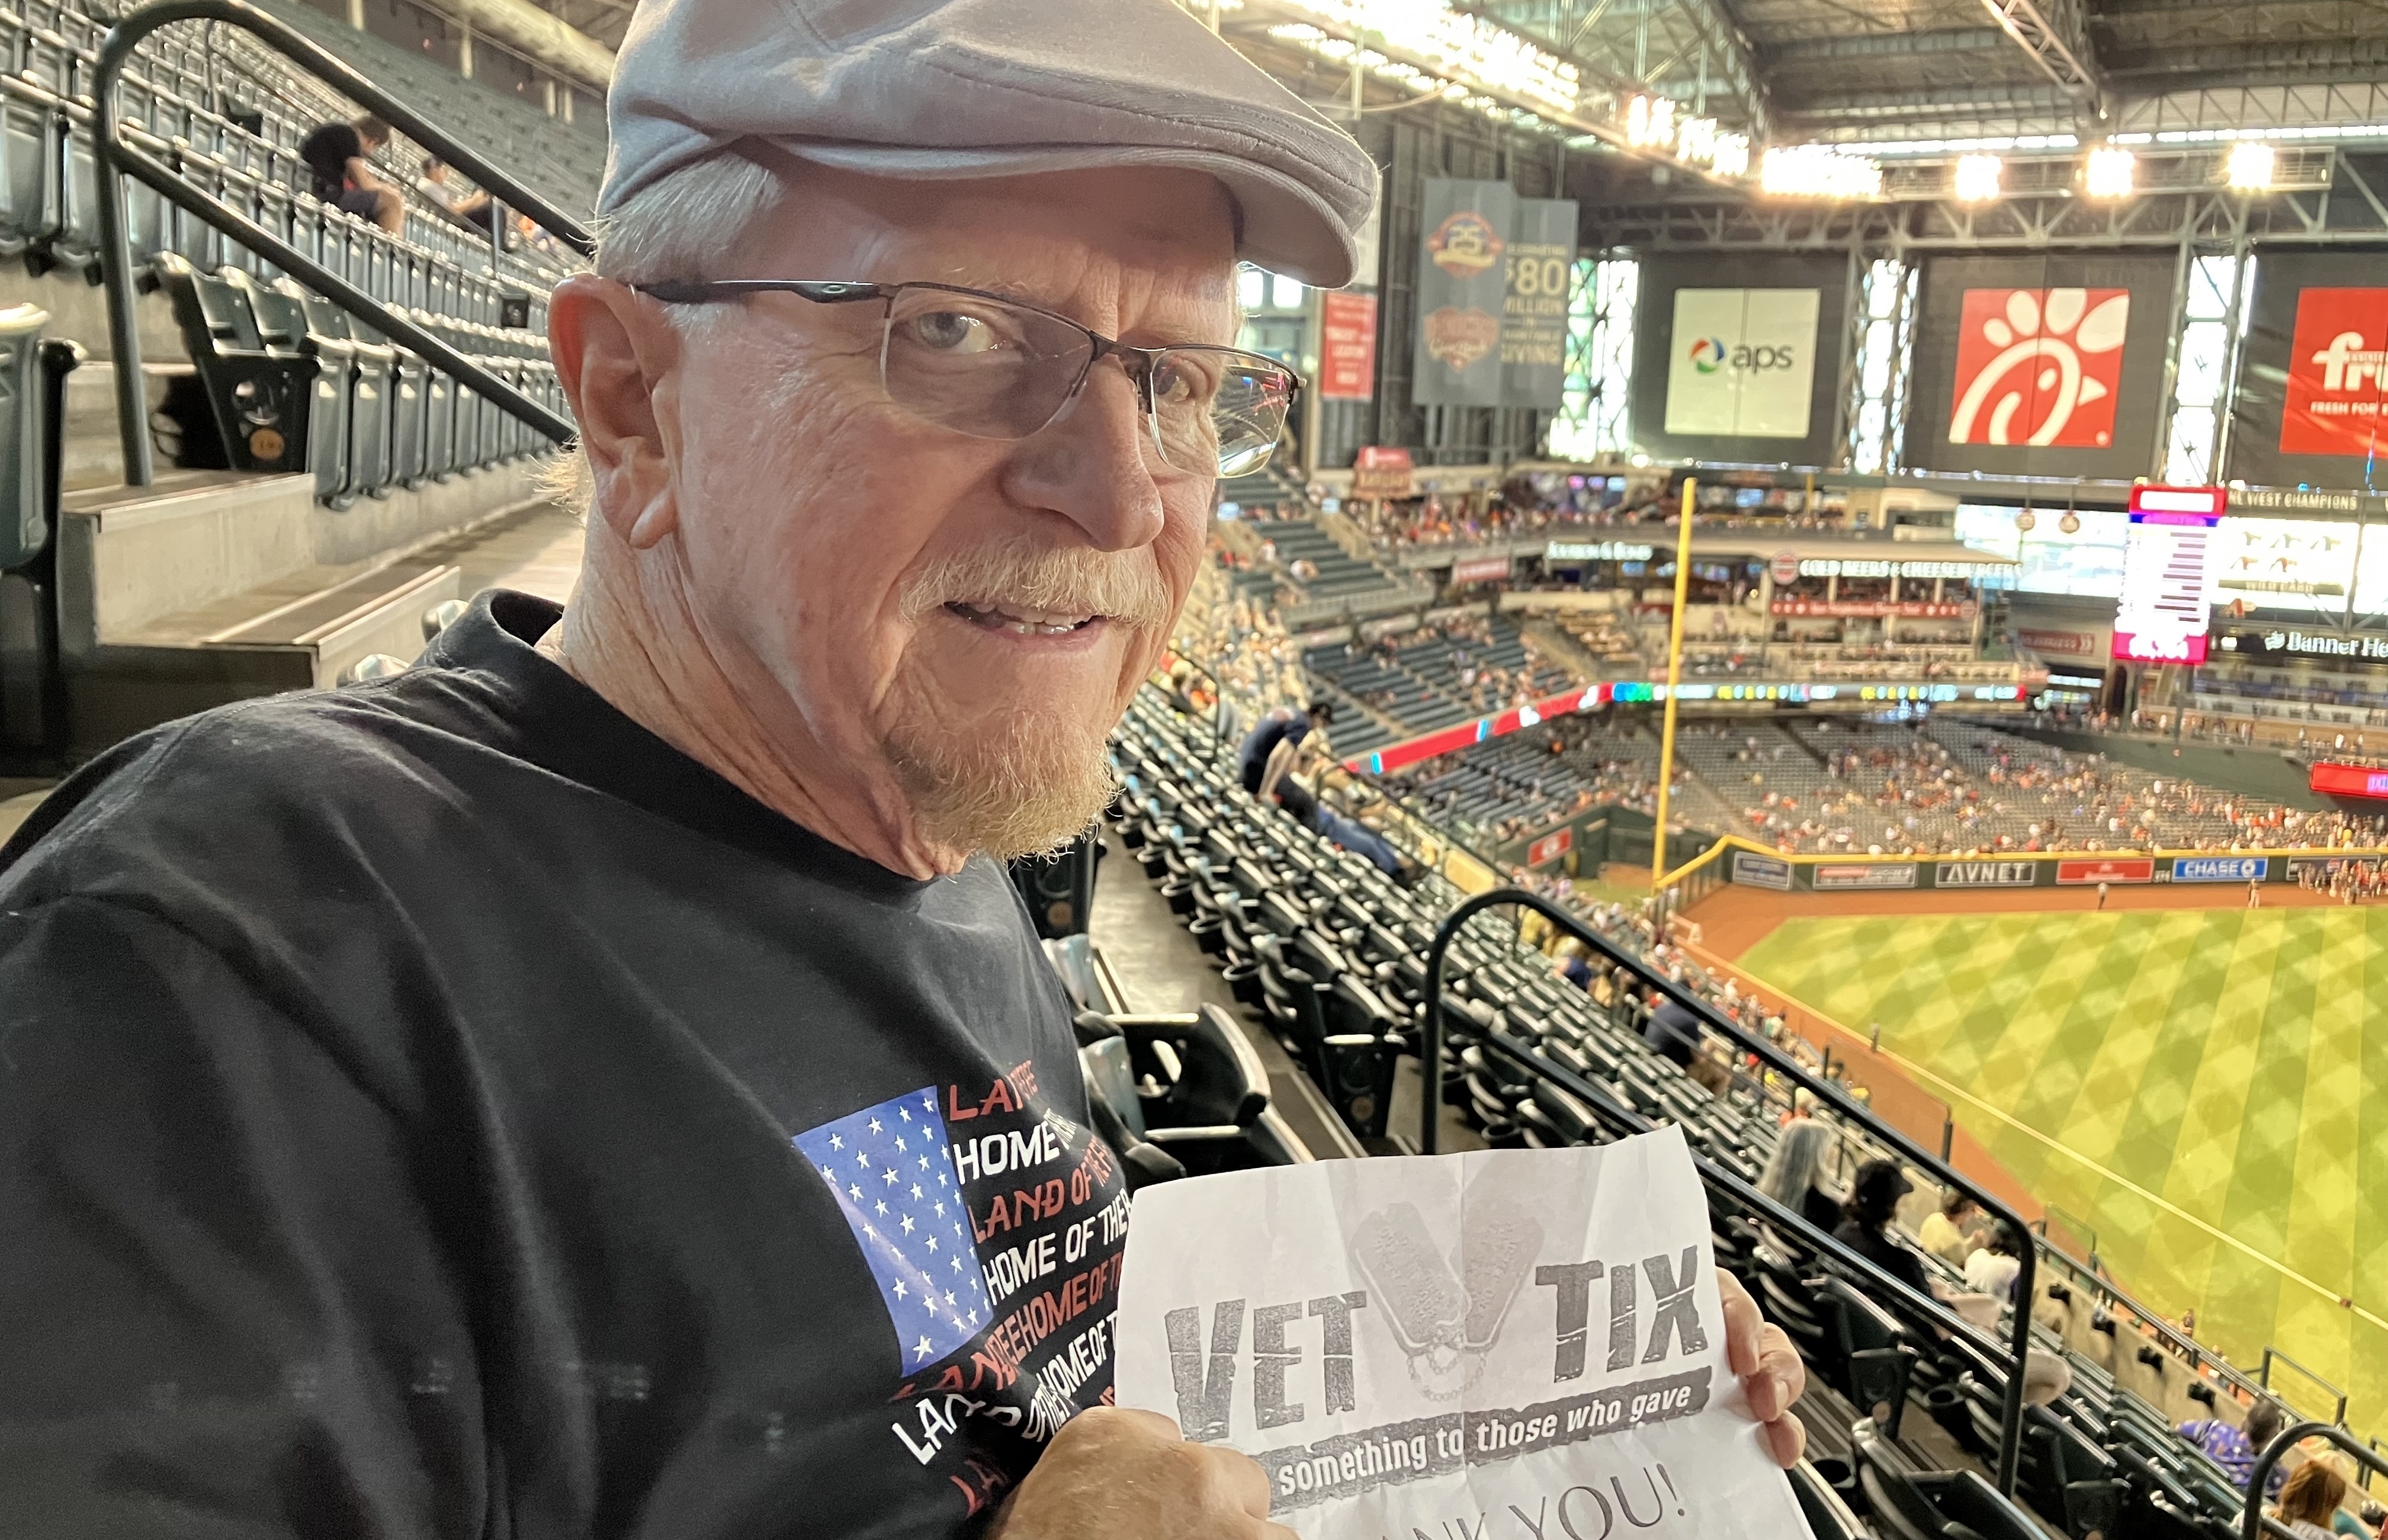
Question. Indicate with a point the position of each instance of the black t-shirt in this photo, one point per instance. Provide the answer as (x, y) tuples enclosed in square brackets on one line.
[(1871, 1242), (326, 152), (442, 1108), (1252, 757), (1673, 1030)]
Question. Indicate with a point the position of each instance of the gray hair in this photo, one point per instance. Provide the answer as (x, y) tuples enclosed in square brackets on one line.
[(1798, 1161), (677, 227)]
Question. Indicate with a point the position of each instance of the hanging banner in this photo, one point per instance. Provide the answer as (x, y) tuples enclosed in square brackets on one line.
[(1347, 346), (1738, 359), (2338, 368), (1534, 313), (1744, 362), (2040, 365), (1463, 284), (2311, 410)]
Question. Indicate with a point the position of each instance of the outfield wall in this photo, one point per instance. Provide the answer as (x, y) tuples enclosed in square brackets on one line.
[(1746, 864)]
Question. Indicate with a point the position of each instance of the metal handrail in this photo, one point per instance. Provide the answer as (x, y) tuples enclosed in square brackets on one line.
[(112, 158), (2254, 1525), (1430, 1064)]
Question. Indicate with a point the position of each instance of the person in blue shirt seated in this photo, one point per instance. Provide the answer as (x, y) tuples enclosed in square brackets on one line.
[(2233, 1448), (1283, 725)]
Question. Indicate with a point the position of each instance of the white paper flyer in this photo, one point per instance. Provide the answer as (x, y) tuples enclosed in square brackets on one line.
[(1497, 1345)]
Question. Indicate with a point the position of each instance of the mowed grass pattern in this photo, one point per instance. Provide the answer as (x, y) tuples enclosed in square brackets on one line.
[(2232, 1063)]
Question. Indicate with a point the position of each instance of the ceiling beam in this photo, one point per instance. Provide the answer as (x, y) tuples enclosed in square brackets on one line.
[(1692, 50), (1869, 46), (2052, 36)]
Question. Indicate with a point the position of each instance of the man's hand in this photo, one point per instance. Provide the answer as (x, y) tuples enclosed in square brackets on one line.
[(1111, 1472), (1771, 1374)]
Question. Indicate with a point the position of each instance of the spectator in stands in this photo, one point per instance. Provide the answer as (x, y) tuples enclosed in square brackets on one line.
[(1874, 1193), (1992, 1269), (1282, 726), (474, 211), (1954, 1232), (337, 158), (2309, 1499), (2234, 1448), (1795, 1173), (1674, 1032)]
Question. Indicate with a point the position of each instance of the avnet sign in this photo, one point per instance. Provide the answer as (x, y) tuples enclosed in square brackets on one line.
[(1742, 363), (1984, 873)]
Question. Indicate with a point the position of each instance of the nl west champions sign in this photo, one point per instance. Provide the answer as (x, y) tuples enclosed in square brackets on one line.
[(1743, 362)]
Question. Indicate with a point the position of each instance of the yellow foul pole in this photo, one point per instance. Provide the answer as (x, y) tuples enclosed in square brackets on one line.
[(1674, 677)]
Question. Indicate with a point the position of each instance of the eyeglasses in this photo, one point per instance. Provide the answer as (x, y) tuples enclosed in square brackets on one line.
[(992, 367)]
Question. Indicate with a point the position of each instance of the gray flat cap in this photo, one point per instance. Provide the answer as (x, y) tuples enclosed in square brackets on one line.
[(949, 89)]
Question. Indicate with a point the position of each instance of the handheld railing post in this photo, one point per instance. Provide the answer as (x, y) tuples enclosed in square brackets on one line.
[(112, 158), (1431, 1067)]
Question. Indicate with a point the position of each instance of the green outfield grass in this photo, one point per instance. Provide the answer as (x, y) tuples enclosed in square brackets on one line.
[(2192, 1083)]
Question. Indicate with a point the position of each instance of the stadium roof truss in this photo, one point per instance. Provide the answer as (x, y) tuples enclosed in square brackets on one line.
[(2323, 195)]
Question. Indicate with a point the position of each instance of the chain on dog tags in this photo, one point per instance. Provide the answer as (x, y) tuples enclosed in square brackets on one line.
[(1505, 1344)]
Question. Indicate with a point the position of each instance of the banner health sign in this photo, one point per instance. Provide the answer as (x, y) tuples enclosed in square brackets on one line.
[(1493, 296), (2312, 406)]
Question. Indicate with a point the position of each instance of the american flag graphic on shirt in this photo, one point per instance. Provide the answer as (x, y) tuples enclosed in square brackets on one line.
[(893, 1178)]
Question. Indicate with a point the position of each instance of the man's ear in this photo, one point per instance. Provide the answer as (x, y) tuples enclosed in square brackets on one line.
[(614, 354)]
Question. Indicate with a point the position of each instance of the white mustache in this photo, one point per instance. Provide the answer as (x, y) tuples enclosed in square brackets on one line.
[(1123, 586)]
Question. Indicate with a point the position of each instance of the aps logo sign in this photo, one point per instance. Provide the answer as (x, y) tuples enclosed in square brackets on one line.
[(2039, 366), (2338, 371), (1742, 363)]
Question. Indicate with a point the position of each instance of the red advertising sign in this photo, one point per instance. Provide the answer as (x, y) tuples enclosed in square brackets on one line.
[(2159, 647), (1550, 848), (2349, 780), (2337, 358), (1488, 569), (1785, 567), (2039, 366), (2080, 873), (1394, 755), (1382, 473), (1347, 346), (1905, 609)]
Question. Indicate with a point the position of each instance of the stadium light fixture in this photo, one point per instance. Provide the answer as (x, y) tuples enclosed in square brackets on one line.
[(2110, 173), (1978, 178), (1453, 44), (2250, 166)]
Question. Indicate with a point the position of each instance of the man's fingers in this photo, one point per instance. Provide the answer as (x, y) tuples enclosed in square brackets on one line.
[(1153, 1423), (1235, 1480), (1787, 1440), (1741, 1321), (1780, 1378)]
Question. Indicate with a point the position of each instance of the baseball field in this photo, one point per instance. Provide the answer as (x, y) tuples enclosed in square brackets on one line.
[(2206, 1088)]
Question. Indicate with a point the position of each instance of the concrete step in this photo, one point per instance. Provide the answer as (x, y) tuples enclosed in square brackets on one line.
[(213, 586), (93, 451)]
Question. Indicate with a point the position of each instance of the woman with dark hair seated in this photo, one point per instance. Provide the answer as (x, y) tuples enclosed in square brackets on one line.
[(1874, 1203)]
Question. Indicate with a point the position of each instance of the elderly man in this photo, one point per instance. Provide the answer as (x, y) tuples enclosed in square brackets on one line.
[(597, 1083)]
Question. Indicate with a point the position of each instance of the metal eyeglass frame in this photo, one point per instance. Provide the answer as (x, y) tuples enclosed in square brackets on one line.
[(1138, 362)]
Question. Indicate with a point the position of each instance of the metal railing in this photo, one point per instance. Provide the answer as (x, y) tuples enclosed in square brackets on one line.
[(1826, 1091), (2253, 1523), (115, 156)]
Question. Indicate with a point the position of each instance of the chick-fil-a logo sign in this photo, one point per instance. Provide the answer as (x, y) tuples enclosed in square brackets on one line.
[(2039, 366)]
